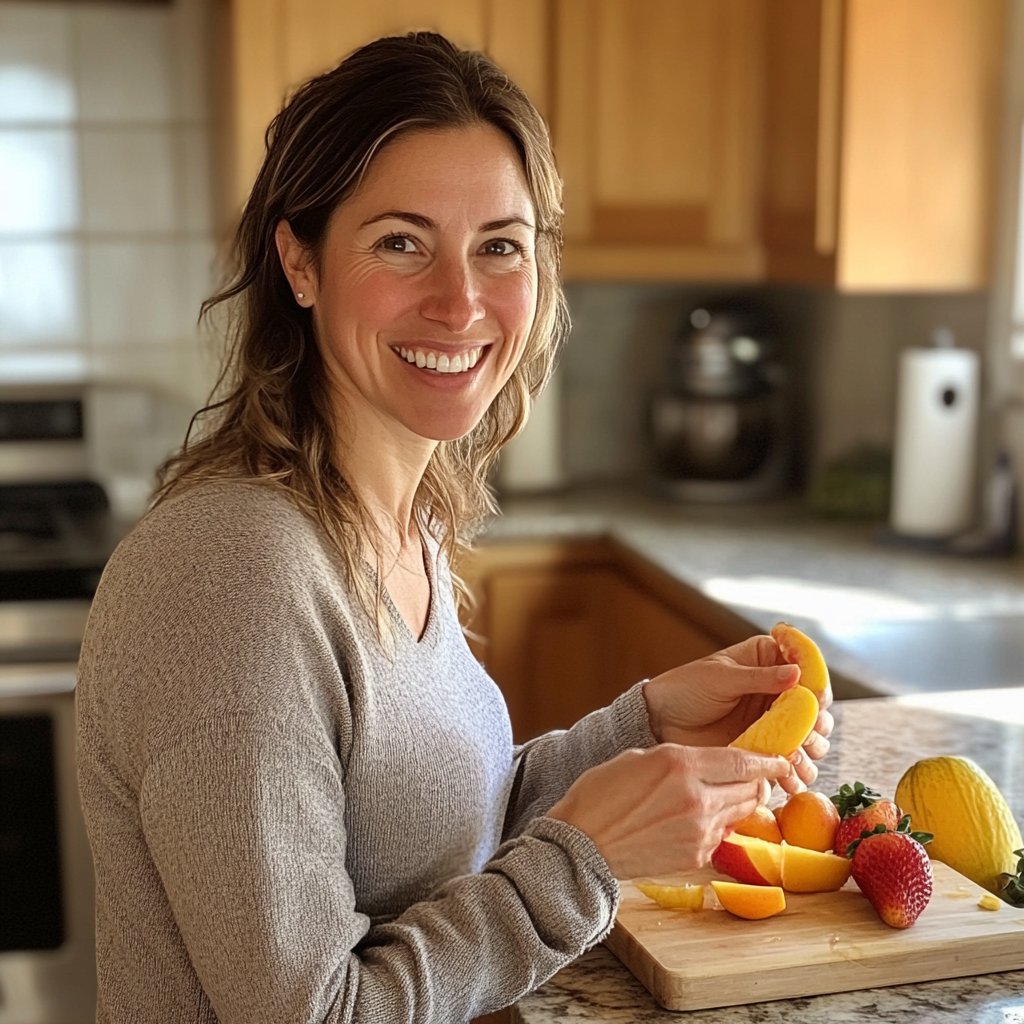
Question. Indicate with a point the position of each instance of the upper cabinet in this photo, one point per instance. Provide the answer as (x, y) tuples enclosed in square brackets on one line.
[(278, 44), (848, 143), (656, 115), (881, 122)]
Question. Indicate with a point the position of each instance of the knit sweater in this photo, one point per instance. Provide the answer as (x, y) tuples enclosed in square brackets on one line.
[(287, 824)]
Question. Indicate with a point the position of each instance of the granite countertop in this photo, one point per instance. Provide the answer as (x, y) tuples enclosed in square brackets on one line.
[(894, 619), (875, 741)]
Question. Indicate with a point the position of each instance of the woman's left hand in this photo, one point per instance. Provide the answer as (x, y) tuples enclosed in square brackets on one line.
[(711, 701)]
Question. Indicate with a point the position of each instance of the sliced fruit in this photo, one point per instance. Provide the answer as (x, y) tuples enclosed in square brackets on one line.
[(784, 726), (894, 872), (753, 902), (975, 832), (762, 824), (749, 860), (800, 650), (674, 897), (809, 820), (812, 870), (861, 809), (990, 902)]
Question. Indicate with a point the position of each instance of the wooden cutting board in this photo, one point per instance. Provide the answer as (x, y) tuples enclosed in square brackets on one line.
[(821, 942)]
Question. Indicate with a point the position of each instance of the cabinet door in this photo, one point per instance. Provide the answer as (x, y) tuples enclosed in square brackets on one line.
[(650, 638), (656, 128), (278, 44), (880, 142), (547, 647)]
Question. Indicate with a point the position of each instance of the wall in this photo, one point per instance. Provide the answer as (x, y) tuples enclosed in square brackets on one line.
[(106, 227), (841, 351)]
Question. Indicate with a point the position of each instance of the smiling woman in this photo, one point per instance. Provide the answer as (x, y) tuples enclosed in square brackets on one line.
[(301, 790)]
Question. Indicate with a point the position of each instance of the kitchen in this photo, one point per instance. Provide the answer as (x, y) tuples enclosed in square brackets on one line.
[(659, 224)]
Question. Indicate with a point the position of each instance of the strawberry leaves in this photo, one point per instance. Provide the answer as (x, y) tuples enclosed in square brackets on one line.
[(904, 828), (851, 799), (1013, 889)]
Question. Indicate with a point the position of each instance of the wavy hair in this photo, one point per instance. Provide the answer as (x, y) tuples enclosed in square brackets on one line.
[(270, 417)]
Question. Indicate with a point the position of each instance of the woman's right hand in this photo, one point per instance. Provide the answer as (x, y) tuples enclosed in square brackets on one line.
[(666, 809)]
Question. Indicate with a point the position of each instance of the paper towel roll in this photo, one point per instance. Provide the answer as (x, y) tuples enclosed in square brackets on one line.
[(936, 420), (533, 461)]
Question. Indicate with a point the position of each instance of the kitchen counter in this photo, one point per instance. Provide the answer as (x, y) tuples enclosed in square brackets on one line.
[(890, 619), (874, 742)]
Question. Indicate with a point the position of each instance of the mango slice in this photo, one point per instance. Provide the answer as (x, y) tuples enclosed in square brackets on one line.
[(784, 726), (812, 871), (674, 897), (752, 902), (800, 650)]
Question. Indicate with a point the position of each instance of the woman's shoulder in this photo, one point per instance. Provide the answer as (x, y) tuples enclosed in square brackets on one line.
[(222, 525)]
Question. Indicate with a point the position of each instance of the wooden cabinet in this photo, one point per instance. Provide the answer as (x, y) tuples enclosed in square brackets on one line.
[(881, 142), (277, 44), (565, 627), (656, 118), (849, 143)]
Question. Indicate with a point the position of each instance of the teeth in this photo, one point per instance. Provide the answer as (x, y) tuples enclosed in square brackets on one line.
[(442, 363)]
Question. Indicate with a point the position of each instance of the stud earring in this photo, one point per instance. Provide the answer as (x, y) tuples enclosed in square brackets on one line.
[(300, 295)]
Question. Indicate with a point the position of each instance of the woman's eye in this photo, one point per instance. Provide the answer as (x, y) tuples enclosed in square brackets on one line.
[(399, 243), (501, 247)]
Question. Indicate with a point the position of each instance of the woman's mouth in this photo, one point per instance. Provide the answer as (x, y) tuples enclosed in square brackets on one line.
[(441, 362)]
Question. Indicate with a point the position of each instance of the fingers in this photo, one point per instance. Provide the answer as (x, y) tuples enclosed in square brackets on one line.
[(816, 746), (716, 766)]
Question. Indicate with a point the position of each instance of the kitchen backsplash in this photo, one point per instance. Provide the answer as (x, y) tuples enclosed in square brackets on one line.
[(106, 227), (841, 352)]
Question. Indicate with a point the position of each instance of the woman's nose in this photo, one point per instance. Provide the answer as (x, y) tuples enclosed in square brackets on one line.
[(454, 296)]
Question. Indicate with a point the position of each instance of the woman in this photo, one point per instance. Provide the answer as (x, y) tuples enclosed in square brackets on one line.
[(301, 791)]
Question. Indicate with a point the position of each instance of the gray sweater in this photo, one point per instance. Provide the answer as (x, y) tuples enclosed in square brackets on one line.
[(288, 826)]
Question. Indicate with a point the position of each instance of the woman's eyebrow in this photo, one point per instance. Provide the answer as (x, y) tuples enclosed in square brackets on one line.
[(427, 224)]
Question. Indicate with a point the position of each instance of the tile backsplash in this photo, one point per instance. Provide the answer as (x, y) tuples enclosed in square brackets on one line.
[(106, 226)]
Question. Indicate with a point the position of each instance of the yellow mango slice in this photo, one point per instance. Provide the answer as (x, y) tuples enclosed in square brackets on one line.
[(673, 897), (800, 650), (812, 871), (753, 902), (784, 726)]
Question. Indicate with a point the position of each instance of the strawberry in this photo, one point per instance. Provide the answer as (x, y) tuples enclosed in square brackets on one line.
[(893, 870), (861, 809)]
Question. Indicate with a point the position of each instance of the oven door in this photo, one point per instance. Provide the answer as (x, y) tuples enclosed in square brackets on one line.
[(47, 948)]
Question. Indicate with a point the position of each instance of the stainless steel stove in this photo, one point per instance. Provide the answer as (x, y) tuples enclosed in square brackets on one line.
[(56, 534)]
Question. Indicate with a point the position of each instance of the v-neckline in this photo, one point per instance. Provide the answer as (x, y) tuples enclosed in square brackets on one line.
[(428, 625)]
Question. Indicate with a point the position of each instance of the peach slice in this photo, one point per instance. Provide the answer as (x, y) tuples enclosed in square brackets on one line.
[(800, 650), (784, 726), (750, 901), (811, 871), (761, 824), (674, 897), (748, 860)]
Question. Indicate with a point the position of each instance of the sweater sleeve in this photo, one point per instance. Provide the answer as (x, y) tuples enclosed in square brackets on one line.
[(245, 824), (547, 766)]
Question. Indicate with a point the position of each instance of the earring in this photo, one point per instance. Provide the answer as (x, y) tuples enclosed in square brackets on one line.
[(300, 295)]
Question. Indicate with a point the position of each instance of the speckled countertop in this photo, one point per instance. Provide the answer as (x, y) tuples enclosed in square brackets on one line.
[(875, 741), (865, 602)]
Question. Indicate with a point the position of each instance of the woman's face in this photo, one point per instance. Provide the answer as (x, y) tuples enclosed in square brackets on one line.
[(427, 287)]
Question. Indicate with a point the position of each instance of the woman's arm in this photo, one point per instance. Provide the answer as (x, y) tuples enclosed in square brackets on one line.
[(245, 824)]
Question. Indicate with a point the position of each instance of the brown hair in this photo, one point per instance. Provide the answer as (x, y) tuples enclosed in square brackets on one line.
[(269, 419)]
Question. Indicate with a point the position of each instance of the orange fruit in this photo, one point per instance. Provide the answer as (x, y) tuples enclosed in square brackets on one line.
[(809, 820), (761, 824), (753, 902)]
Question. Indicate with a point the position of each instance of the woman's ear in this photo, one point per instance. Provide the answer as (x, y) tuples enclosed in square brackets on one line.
[(296, 264)]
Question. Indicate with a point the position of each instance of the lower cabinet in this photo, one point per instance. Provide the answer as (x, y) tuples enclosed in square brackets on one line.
[(565, 627)]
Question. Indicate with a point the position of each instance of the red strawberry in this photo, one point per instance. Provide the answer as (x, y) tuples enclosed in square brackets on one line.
[(861, 809), (894, 872)]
